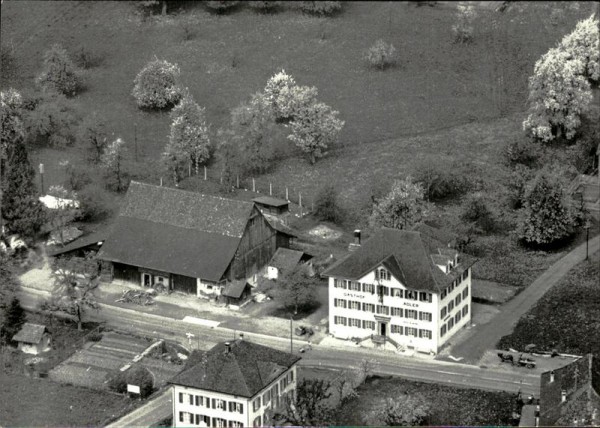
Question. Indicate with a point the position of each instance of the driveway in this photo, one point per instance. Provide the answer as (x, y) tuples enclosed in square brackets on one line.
[(486, 336)]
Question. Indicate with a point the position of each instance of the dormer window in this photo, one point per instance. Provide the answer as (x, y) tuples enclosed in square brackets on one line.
[(382, 273)]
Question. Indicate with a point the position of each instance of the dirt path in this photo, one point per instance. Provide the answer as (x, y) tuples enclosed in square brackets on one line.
[(486, 336)]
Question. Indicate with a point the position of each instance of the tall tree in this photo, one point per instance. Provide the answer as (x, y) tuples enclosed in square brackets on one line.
[(9, 284), (75, 282), (546, 215), (402, 207), (14, 318), (92, 135), (23, 212), (297, 290), (112, 162), (64, 212), (156, 86), (402, 410), (231, 159), (277, 91), (309, 406), (584, 44), (189, 131), (315, 127), (60, 73)]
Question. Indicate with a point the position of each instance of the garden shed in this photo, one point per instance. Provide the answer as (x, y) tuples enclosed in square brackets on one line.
[(33, 338)]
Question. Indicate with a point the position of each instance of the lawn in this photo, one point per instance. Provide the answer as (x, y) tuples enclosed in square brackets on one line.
[(448, 405), (29, 402), (567, 318)]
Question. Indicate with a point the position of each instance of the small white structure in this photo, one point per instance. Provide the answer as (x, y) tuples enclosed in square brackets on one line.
[(54, 203), (33, 339), (285, 261)]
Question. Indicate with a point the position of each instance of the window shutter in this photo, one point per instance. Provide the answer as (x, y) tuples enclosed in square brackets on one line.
[(180, 416), (191, 399), (181, 397), (241, 407), (214, 403)]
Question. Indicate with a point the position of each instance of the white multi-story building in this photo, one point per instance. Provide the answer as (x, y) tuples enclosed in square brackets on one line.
[(235, 384), (400, 286)]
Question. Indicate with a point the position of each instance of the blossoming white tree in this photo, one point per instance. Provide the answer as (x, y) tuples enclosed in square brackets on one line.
[(584, 45), (112, 162), (402, 207), (156, 85)]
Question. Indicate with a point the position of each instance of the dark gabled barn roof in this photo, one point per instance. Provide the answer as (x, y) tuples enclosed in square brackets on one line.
[(270, 201), (406, 254), (244, 370), (286, 259), (177, 231)]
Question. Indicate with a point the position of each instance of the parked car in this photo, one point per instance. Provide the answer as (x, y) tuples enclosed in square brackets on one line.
[(303, 330), (506, 357)]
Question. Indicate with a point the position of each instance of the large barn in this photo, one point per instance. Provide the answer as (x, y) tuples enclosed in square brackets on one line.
[(187, 241)]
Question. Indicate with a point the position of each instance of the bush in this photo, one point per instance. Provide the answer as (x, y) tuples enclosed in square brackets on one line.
[(60, 73), (463, 29), (476, 210), (117, 382), (327, 205), (140, 376), (49, 119), (521, 152), (321, 7), (222, 6), (156, 85), (77, 176), (440, 182), (94, 203), (94, 337), (381, 54), (85, 58), (264, 6)]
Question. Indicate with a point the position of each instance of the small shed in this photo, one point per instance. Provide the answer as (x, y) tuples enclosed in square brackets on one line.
[(236, 292), (285, 260), (270, 205), (33, 339), (80, 246)]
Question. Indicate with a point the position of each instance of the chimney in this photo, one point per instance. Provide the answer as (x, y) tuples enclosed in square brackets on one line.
[(227, 348), (356, 244)]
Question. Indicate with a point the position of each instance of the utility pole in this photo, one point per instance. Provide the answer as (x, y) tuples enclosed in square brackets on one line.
[(135, 141), (42, 177)]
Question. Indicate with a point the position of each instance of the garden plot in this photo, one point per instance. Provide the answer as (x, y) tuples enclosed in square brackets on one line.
[(90, 367)]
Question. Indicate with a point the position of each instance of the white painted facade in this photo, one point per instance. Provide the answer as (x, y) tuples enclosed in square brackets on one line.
[(204, 288), (414, 319), (36, 348), (198, 407)]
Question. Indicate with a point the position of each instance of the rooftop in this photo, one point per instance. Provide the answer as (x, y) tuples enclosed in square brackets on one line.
[(30, 333), (243, 370), (286, 259), (271, 201)]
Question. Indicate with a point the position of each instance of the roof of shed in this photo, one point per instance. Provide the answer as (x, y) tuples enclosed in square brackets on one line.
[(243, 371), (30, 333), (271, 201), (285, 259), (235, 289), (79, 243), (406, 254)]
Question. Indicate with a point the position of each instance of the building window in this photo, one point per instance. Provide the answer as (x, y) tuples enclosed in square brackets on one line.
[(465, 310), (450, 305), (181, 397), (355, 286), (411, 295), (451, 288), (465, 274), (219, 404), (397, 329), (443, 330), (411, 331), (256, 422), (382, 274), (256, 404), (219, 422), (450, 323), (397, 292), (267, 397), (339, 303), (425, 316), (354, 322), (354, 305), (368, 307), (368, 288), (236, 407), (425, 297), (180, 416), (425, 334), (465, 292), (443, 312), (397, 312), (457, 317), (411, 313), (383, 310), (369, 325), (458, 300), (443, 295), (340, 320)]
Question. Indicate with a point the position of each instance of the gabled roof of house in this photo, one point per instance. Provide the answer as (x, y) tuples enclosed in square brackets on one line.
[(271, 201), (244, 370), (286, 259), (177, 231), (30, 333), (406, 254)]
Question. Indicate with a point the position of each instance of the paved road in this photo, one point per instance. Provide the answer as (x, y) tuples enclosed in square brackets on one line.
[(487, 336), (153, 411)]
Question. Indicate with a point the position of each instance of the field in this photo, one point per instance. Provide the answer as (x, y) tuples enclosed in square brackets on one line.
[(29, 402), (448, 406), (566, 318)]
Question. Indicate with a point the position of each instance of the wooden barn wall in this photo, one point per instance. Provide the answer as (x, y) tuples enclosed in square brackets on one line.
[(184, 284), (126, 273), (257, 246), (283, 240)]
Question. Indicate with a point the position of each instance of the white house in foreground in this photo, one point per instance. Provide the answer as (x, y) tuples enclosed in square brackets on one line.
[(401, 286), (235, 384)]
